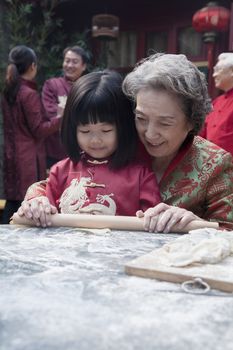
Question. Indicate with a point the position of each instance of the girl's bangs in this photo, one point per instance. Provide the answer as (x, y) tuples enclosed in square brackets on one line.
[(98, 112)]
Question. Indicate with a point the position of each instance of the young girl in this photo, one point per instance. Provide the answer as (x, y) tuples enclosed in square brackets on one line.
[(101, 175), (25, 128)]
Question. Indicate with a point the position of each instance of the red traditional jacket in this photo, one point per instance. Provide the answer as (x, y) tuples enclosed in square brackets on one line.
[(53, 91), (91, 186), (25, 126), (218, 126)]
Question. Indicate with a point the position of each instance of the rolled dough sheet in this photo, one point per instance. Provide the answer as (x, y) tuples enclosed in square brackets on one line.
[(206, 246), (177, 261)]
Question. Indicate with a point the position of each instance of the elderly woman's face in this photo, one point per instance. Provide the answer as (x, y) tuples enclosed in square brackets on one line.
[(223, 76), (161, 124)]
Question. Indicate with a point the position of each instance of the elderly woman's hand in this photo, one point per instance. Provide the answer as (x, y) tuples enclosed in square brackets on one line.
[(163, 217), (38, 209)]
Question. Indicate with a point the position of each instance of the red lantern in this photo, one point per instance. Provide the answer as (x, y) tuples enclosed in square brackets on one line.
[(211, 18)]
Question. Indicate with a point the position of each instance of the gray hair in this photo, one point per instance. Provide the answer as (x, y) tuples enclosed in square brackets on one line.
[(225, 59), (178, 76)]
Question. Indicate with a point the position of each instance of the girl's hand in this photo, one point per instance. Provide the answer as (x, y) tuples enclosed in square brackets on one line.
[(38, 209), (163, 217)]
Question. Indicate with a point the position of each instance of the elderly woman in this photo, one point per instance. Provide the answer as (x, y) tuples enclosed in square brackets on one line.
[(195, 176), (218, 126)]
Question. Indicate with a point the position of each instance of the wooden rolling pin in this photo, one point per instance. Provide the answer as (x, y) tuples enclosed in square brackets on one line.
[(107, 221)]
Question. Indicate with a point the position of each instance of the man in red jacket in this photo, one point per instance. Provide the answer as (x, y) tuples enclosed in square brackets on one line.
[(219, 123), (54, 94)]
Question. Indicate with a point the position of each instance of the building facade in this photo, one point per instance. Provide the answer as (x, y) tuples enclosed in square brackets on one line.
[(145, 27)]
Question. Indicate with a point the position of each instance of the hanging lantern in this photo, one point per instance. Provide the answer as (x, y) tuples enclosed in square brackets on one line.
[(211, 18), (105, 26)]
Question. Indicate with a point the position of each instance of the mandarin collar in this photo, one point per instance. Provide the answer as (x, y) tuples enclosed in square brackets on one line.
[(90, 160), (31, 83), (69, 82), (184, 148), (229, 93)]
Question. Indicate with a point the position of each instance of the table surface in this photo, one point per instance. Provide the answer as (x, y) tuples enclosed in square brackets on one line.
[(66, 289)]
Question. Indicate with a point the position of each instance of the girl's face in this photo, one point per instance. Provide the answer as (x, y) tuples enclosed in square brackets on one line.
[(97, 140), (161, 124)]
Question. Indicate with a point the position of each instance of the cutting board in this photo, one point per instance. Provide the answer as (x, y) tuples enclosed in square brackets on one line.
[(217, 276)]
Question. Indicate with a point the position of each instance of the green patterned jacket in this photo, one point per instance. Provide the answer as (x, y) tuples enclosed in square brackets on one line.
[(200, 179)]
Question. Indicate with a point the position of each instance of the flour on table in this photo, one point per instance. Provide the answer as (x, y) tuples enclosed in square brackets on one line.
[(205, 246), (97, 231)]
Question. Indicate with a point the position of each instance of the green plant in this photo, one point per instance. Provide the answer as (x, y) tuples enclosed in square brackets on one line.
[(35, 25)]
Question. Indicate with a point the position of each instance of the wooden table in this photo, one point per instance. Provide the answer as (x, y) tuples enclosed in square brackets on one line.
[(65, 289)]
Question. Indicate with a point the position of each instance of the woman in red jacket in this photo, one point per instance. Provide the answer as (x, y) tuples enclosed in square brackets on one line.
[(25, 128)]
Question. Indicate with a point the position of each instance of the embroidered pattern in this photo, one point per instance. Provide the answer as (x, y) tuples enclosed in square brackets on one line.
[(99, 208), (202, 182), (75, 199)]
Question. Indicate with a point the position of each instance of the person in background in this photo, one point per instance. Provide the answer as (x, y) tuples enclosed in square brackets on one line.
[(101, 174), (25, 127), (218, 126), (54, 95)]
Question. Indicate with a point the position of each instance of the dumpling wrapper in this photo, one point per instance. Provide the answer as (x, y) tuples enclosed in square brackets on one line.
[(196, 247)]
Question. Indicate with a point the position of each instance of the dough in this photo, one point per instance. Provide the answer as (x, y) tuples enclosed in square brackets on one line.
[(205, 246)]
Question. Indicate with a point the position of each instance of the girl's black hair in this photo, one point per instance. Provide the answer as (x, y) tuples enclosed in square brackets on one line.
[(98, 97), (19, 60)]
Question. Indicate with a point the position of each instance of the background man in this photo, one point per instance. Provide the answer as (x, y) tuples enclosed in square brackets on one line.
[(54, 94)]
